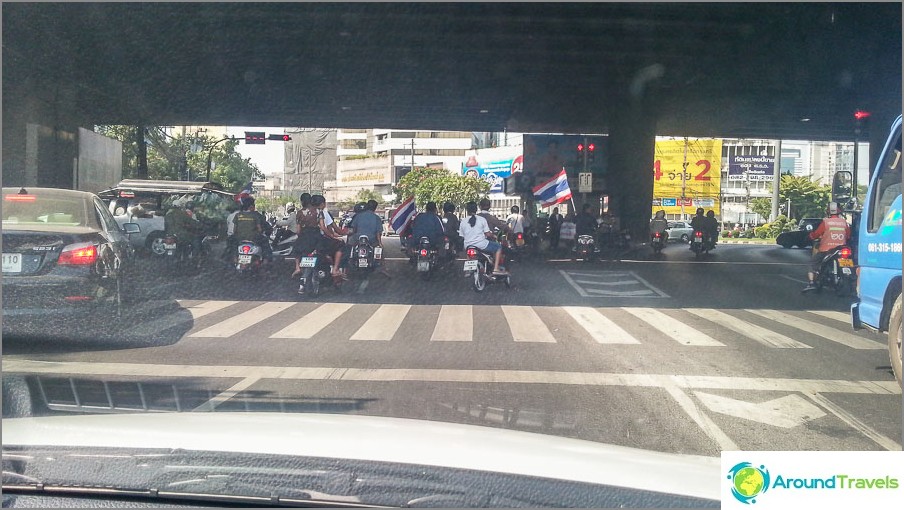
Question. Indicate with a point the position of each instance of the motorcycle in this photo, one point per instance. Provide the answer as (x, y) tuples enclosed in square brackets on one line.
[(363, 258), (248, 258), (585, 248), (701, 244), (282, 241), (180, 255), (427, 258), (657, 241), (316, 274), (837, 272), (479, 266)]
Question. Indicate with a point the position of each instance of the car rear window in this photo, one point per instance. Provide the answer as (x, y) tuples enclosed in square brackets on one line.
[(35, 209)]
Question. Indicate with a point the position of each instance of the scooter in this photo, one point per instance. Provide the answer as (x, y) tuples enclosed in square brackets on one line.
[(363, 258), (479, 266), (701, 244), (316, 273), (282, 241), (585, 248), (657, 241), (248, 258), (837, 272)]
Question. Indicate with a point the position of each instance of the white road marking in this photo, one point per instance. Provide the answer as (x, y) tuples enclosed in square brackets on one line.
[(673, 328), (526, 325), (759, 334), (866, 430), (574, 284), (830, 314), (311, 324), (826, 332), (622, 282), (363, 286), (607, 273), (785, 412), (655, 289), (176, 318), (706, 424), (237, 388), (622, 293), (599, 327), (794, 279), (806, 386), (383, 324), (455, 324), (243, 321)]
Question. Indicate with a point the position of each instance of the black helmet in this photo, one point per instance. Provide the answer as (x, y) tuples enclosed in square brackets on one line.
[(699, 211), (449, 207), (359, 207)]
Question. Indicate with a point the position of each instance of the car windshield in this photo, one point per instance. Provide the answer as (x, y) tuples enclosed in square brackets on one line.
[(471, 285)]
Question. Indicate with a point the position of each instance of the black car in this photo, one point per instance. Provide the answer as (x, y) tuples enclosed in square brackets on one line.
[(63, 253), (801, 236)]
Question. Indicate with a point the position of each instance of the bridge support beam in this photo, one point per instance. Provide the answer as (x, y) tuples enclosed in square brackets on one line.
[(629, 180)]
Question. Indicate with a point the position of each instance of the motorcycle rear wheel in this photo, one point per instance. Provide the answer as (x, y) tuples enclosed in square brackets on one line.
[(479, 281)]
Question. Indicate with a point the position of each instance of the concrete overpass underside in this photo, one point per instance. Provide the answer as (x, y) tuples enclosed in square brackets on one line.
[(630, 70)]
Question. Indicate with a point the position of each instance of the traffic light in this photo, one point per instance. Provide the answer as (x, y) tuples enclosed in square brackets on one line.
[(281, 138), (255, 137), (591, 151), (860, 114)]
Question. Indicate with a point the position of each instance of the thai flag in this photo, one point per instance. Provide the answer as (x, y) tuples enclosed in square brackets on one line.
[(403, 215), (246, 191), (553, 191)]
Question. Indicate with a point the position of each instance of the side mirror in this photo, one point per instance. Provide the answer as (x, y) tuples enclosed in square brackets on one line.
[(131, 228), (842, 187)]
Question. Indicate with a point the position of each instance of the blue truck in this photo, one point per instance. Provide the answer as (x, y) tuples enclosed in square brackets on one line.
[(878, 241)]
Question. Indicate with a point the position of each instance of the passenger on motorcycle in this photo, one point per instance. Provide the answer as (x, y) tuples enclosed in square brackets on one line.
[(476, 232), (711, 225), (698, 223), (178, 222), (288, 219), (331, 235), (515, 220), (451, 223), (428, 224), (249, 225), (307, 227), (585, 223), (366, 222), (659, 224), (833, 232)]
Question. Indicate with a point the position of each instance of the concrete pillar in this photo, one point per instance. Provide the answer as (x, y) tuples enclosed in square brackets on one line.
[(632, 143), (879, 127)]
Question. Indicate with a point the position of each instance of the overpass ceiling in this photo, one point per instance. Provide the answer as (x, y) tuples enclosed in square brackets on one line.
[(703, 69)]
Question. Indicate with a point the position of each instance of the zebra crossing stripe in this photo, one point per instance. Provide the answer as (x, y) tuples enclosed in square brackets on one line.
[(311, 324), (455, 324), (383, 324), (599, 327), (752, 331), (832, 334), (829, 314), (526, 325), (673, 328), (176, 318), (243, 321)]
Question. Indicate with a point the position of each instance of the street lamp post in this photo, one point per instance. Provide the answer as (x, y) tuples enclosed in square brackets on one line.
[(210, 154)]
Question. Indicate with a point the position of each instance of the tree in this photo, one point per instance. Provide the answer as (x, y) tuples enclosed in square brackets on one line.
[(762, 206), (808, 199), (438, 185)]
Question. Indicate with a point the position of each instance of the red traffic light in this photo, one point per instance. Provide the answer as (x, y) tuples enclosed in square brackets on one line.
[(860, 114), (281, 138), (591, 147), (580, 147)]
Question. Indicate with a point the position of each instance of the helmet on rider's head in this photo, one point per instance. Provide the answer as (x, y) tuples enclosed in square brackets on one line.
[(832, 209), (660, 214), (699, 211), (359, 207), (290, 207)]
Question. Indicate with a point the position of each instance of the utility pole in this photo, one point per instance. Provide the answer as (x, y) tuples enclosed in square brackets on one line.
[(683, 180), (776, 180), (142, 172)]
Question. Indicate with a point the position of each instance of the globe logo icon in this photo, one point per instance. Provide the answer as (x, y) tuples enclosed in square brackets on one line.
[(748, 481)]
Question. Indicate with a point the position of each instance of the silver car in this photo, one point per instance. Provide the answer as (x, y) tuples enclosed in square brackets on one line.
[(680, 230)]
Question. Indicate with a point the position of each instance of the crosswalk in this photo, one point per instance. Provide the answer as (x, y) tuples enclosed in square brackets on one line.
[(679, 327)]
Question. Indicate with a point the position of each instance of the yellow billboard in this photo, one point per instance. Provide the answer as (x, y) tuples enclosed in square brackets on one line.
[(687, 174)]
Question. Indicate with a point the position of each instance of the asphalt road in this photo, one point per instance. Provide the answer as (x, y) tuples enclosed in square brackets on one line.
[(664, 353)]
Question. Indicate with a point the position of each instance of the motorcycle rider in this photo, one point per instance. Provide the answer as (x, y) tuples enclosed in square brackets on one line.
[(307, 228), (711, 224), (833, 232), (366, 222), (491, 219), (659, 224), (249, 225), (428, 224), (451, 222), (178, 222), (476, 232), (288, 219), (515, 220), (331, 235), (698, 223), (585, 223)]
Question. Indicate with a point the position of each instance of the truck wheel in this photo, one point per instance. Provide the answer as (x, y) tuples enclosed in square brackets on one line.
[(154, 243), (894, 339)]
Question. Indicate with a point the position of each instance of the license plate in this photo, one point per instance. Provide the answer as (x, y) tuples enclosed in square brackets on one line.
[(845, 263), (378, 252), (308, 261), (846, 270), (244, 259), (169, 246), (12, 263), (423, 266), (362, 263), (698, 240), (470, 265), (519, 242)]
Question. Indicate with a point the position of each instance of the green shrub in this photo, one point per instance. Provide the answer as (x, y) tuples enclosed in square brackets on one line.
[(762, 232), (726, 233)]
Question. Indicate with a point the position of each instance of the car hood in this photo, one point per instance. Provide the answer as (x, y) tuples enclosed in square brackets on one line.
[(380, 439)]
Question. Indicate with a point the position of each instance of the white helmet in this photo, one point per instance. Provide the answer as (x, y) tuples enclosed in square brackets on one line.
[(833, 208), (290, 207)]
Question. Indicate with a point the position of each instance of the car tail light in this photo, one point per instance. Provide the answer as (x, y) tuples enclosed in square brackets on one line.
[(423, 253), (81, 254), (20, 198), (472, 253), (845, 253)]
